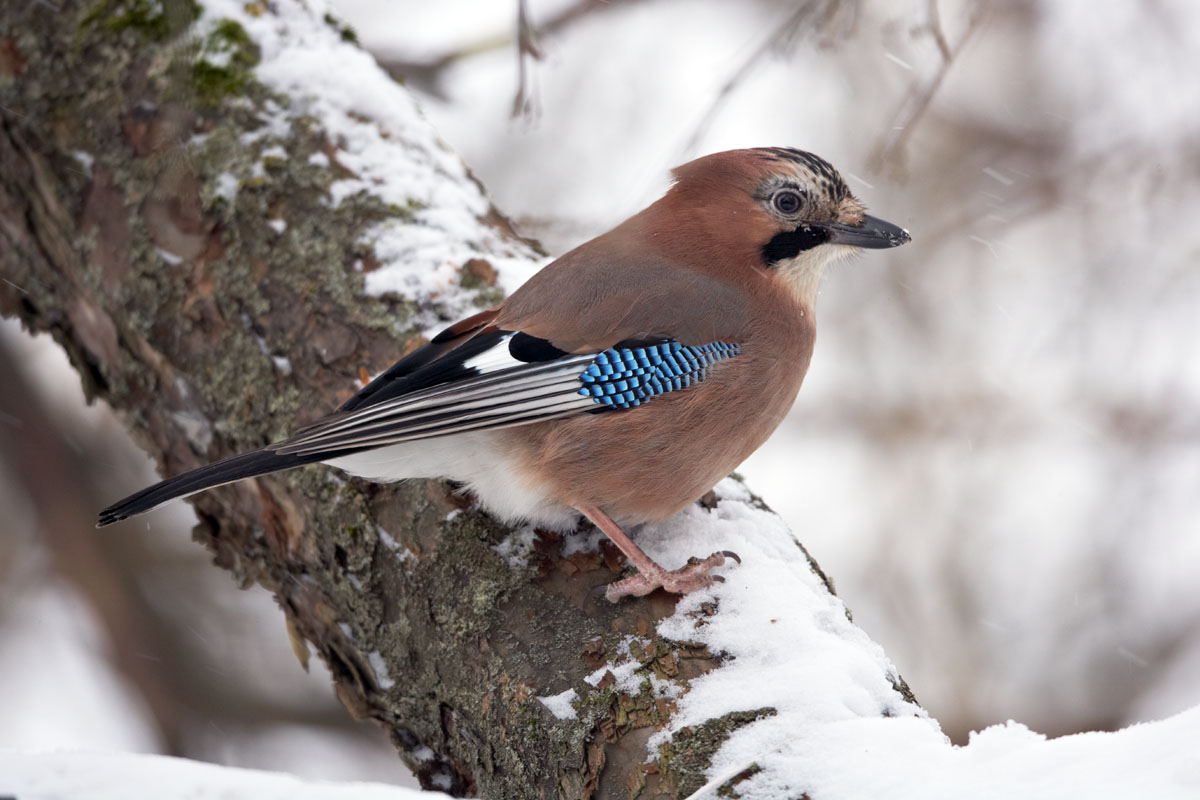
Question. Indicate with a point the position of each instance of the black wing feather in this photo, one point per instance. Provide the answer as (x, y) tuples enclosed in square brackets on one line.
[(435, 363)]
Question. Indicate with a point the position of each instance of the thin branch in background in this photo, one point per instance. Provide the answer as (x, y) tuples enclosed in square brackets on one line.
[(825, 12), (935, 30), (889, 150), (525, 103), (428, 75)]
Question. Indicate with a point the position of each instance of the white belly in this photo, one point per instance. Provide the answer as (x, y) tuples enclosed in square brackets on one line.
[(476, 459)]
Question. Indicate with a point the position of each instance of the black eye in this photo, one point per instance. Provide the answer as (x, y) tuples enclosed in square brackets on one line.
[(787, 202)]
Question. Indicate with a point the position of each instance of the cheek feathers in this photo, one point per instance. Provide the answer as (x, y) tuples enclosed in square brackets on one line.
[(787, 245)]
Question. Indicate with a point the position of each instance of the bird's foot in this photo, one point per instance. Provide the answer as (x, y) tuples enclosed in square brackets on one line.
[(686, 579)]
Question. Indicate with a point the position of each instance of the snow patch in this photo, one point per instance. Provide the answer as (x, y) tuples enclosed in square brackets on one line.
[(168, 256), (403, 554), (381, 671), (388, 540), (517, 547), (226, 187), (560, 705), (631, 676), (85, 159), (586, 541)]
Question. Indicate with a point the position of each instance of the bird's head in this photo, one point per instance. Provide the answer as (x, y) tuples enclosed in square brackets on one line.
[(778, 210)]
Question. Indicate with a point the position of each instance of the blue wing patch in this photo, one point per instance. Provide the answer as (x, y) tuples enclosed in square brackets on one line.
[(626, 377)]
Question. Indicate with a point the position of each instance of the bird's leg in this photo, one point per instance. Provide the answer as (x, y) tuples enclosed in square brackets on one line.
[(650, 575)]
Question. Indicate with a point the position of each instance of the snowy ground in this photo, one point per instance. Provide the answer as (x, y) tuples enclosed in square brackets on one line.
[(84, 775)]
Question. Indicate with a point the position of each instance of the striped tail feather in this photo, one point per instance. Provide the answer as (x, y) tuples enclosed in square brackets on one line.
[(247, 465)]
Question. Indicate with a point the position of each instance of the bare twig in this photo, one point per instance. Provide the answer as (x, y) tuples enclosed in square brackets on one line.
[(824, 11), (889, 149), (939, 36), (427, 75), (525, 102)]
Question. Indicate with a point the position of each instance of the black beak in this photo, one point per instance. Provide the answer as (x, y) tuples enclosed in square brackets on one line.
[(874, 233)]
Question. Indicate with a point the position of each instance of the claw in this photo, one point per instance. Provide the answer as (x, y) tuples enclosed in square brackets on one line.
[(732, 555), (595, 593), (688, 578)]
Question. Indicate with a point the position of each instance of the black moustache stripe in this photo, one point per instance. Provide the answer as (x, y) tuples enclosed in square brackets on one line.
[(790, 244)]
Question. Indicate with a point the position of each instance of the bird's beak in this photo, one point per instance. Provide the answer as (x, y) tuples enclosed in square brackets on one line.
[(873, 233)]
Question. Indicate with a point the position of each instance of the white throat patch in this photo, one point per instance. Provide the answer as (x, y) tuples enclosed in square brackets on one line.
[(803, 273)]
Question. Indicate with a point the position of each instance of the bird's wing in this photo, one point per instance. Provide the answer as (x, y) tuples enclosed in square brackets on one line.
[(586, 334), (498, 378)]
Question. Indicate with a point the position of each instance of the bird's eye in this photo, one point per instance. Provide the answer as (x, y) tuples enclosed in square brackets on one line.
[(787, 202)]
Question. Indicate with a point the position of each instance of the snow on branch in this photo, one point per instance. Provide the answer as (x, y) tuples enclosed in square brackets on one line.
[(384, 148)]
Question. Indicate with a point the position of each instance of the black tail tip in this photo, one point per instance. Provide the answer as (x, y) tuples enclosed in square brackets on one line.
[(108, 516), (234, 468)]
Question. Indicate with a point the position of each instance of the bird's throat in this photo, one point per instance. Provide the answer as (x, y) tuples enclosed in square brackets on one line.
[(802, 275)]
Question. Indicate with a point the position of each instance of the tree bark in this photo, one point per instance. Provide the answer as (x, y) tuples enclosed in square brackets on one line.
[(171, 300)]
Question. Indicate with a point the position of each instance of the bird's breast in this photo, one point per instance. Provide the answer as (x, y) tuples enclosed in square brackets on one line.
[(646, 463)]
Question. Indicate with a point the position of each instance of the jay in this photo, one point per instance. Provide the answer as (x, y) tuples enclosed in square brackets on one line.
[(623, 380)]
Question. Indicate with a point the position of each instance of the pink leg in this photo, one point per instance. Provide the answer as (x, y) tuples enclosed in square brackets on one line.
[(650, 575)]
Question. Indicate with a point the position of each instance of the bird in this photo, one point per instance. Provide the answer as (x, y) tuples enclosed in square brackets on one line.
[(623, 380)]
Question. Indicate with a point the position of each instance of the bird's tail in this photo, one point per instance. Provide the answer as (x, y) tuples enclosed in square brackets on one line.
[(247, 465)]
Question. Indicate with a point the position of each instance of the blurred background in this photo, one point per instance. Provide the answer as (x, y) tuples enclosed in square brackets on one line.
[(997, 450)]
